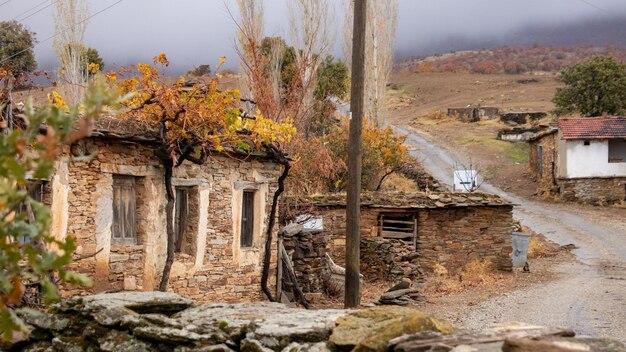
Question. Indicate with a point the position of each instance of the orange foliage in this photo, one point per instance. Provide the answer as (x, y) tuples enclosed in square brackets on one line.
[(195, 115)]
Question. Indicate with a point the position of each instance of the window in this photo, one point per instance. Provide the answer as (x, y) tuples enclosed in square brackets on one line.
[(540, 157), (124, 210), (247, 219), (35, 191), (587, 143), (399, 226), (617, 151), (180, 217)]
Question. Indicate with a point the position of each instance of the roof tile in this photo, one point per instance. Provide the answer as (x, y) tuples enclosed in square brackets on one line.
[(593, 127)]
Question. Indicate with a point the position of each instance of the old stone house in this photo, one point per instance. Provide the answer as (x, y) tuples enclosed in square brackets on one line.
[(583, 159), (407, 234), (108, 193)]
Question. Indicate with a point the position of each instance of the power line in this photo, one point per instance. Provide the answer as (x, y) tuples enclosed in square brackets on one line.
[(54, 35), (596, 7), (29, 10), (6, 2), (38, 11)]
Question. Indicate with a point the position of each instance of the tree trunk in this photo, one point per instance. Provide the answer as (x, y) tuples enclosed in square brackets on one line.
[(169, 211), (280, 157)]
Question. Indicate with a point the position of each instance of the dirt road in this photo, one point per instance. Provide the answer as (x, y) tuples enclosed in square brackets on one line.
[(590, 294)]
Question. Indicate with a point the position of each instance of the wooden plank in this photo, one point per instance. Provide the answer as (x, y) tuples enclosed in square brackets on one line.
[(389, 221), (397, 235), (399, 229), (279, 269), (415, 232)]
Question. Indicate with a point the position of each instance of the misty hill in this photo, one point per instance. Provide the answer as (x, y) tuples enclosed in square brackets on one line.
[(591, 32), (510, 60)]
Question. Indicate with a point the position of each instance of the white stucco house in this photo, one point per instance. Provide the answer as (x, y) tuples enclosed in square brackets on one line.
[(582, 159)]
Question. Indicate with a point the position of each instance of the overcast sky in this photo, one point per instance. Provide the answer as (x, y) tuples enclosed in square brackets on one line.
[(193, 32)]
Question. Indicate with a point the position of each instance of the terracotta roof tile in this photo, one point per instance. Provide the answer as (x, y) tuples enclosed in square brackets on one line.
[(593, 127)]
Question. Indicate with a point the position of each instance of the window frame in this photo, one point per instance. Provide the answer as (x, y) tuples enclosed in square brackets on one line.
[(247, 223)]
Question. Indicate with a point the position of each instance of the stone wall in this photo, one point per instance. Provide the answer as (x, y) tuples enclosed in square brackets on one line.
[(454, 237), (521, 118), (213, 266), (593, 190), (450, 236), (544, 171), (309, 258), (389, 259)]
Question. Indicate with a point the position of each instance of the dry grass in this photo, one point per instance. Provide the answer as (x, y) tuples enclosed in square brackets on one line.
[(541, 247), (396, 182), (475, 273)]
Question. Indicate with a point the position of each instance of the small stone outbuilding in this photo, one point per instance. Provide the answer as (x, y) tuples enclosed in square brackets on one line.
[(108, 194), (405, 235), (583, 159)]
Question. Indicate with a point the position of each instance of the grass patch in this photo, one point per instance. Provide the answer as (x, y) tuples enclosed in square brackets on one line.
[(519, 153), (516, 152)]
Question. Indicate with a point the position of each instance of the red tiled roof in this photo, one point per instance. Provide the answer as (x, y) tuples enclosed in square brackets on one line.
[(593, 127)]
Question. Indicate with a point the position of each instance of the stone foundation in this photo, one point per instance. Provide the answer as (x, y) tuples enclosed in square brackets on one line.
[(593, 190), (309, 258)]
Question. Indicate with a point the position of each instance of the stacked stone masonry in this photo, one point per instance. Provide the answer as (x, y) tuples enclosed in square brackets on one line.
[(211, 264), (450, 234)]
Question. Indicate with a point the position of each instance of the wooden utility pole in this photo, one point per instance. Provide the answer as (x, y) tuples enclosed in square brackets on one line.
[(355, 151)]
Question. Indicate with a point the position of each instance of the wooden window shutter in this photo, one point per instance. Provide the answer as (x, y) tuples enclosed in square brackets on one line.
[(123, 230), (247, 219), (180, 218)]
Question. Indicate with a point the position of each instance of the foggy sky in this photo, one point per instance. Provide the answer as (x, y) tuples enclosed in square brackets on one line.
[(194, 32)]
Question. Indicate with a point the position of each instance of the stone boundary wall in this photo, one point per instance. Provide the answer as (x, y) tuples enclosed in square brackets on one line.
[(522, 117), (593, 190)]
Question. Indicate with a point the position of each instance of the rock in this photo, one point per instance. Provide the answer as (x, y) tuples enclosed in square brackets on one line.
[(307, 347), (139, 302), (177, 336), (252, 345), (404, 284), (117, 341), (371, 329), (529, 345), (266, 320), (41, 346), (69, 344), (291, 229), (398, 293), (213, 348)]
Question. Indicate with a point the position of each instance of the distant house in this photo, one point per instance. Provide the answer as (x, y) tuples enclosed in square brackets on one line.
[(583, 159)]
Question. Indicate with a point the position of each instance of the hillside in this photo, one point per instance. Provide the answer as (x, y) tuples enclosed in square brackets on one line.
[(599, 31), (510, 60)]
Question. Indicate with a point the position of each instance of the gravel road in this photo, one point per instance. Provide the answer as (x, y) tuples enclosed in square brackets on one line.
[(590, 294)]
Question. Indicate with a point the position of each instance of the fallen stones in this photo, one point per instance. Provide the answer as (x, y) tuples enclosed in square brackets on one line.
[(402, 294)]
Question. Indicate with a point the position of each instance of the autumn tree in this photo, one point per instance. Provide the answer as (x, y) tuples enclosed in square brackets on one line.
[(92, 61), (16, 48), (382, 19), (29, 254), (383, 150), (70, 23), (592, 87), (195, 121)]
